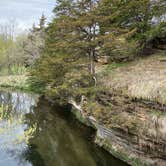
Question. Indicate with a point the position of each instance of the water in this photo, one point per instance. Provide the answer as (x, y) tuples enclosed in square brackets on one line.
[(33, 133)]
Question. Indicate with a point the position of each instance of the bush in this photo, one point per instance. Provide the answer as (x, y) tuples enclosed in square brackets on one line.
[(156, 35)]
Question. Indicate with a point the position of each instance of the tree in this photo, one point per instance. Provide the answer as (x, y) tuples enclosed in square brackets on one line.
[(7, 38), (34, 44), (42, 22), (76, 30), (137, 18), (85, 29)]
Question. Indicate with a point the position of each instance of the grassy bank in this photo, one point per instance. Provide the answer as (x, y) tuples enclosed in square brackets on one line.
[(14, 82), (129, 102), (145, 78)]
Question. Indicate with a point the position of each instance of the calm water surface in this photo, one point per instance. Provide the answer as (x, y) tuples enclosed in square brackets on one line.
[(34, 133)]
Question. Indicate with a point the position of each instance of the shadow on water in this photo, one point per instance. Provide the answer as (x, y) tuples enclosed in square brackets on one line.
[(34, 133)]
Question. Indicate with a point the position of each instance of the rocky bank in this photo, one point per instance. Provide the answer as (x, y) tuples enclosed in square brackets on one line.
[(132, 130), (128, 110)]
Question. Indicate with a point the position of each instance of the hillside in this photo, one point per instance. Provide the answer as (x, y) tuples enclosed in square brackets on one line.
[(145, 78), (128, 110)]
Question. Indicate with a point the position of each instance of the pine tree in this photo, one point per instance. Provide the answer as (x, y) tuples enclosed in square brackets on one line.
[(42, 22), (75, 33), (71, 32), (85, 29), (76, 27)]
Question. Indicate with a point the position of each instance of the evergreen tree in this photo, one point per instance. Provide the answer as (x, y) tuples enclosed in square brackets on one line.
[(42, 22), (76, 29), (85, 29), (73, 32)]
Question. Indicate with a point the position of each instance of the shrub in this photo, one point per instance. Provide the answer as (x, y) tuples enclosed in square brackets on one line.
[(156, 35)]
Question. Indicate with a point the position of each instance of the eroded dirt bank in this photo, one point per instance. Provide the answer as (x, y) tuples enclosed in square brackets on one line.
[(131, 130), (129, 111)]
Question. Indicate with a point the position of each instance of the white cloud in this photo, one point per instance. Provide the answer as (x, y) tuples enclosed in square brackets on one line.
[(25, 12)]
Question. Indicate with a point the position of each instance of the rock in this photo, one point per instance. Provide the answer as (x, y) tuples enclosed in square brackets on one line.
[(103, 60), (135, 130)]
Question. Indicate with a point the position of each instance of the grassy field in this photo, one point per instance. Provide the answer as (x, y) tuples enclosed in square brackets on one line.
[(144, 78)]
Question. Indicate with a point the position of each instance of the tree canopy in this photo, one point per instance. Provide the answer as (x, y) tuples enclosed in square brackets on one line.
[(84, 30)]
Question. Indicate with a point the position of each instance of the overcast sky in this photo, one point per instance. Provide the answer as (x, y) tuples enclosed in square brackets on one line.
[(25, 12)]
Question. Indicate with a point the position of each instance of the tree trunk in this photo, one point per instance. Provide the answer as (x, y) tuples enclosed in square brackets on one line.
[(92, 66)]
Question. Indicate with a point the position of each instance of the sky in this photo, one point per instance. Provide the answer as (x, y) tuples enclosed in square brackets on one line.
[(25, 12)]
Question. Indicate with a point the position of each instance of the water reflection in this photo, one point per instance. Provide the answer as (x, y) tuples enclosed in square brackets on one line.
[(13, 107), (33, 135)]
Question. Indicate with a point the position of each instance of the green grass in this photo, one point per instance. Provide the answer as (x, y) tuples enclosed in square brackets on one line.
[(14, 81), (15, 77), (14, 70), (115, 65)]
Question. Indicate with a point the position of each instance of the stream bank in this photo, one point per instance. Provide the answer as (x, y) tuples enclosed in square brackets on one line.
[(35, 133), (128, 110), (131, 131), (14, 82)]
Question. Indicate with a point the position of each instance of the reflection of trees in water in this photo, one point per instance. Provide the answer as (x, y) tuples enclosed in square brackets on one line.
[(60, 142), (54, 139), (15, 104), (39, 148), (6, 106), (31, 154), (13, 107), (46, 138)]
